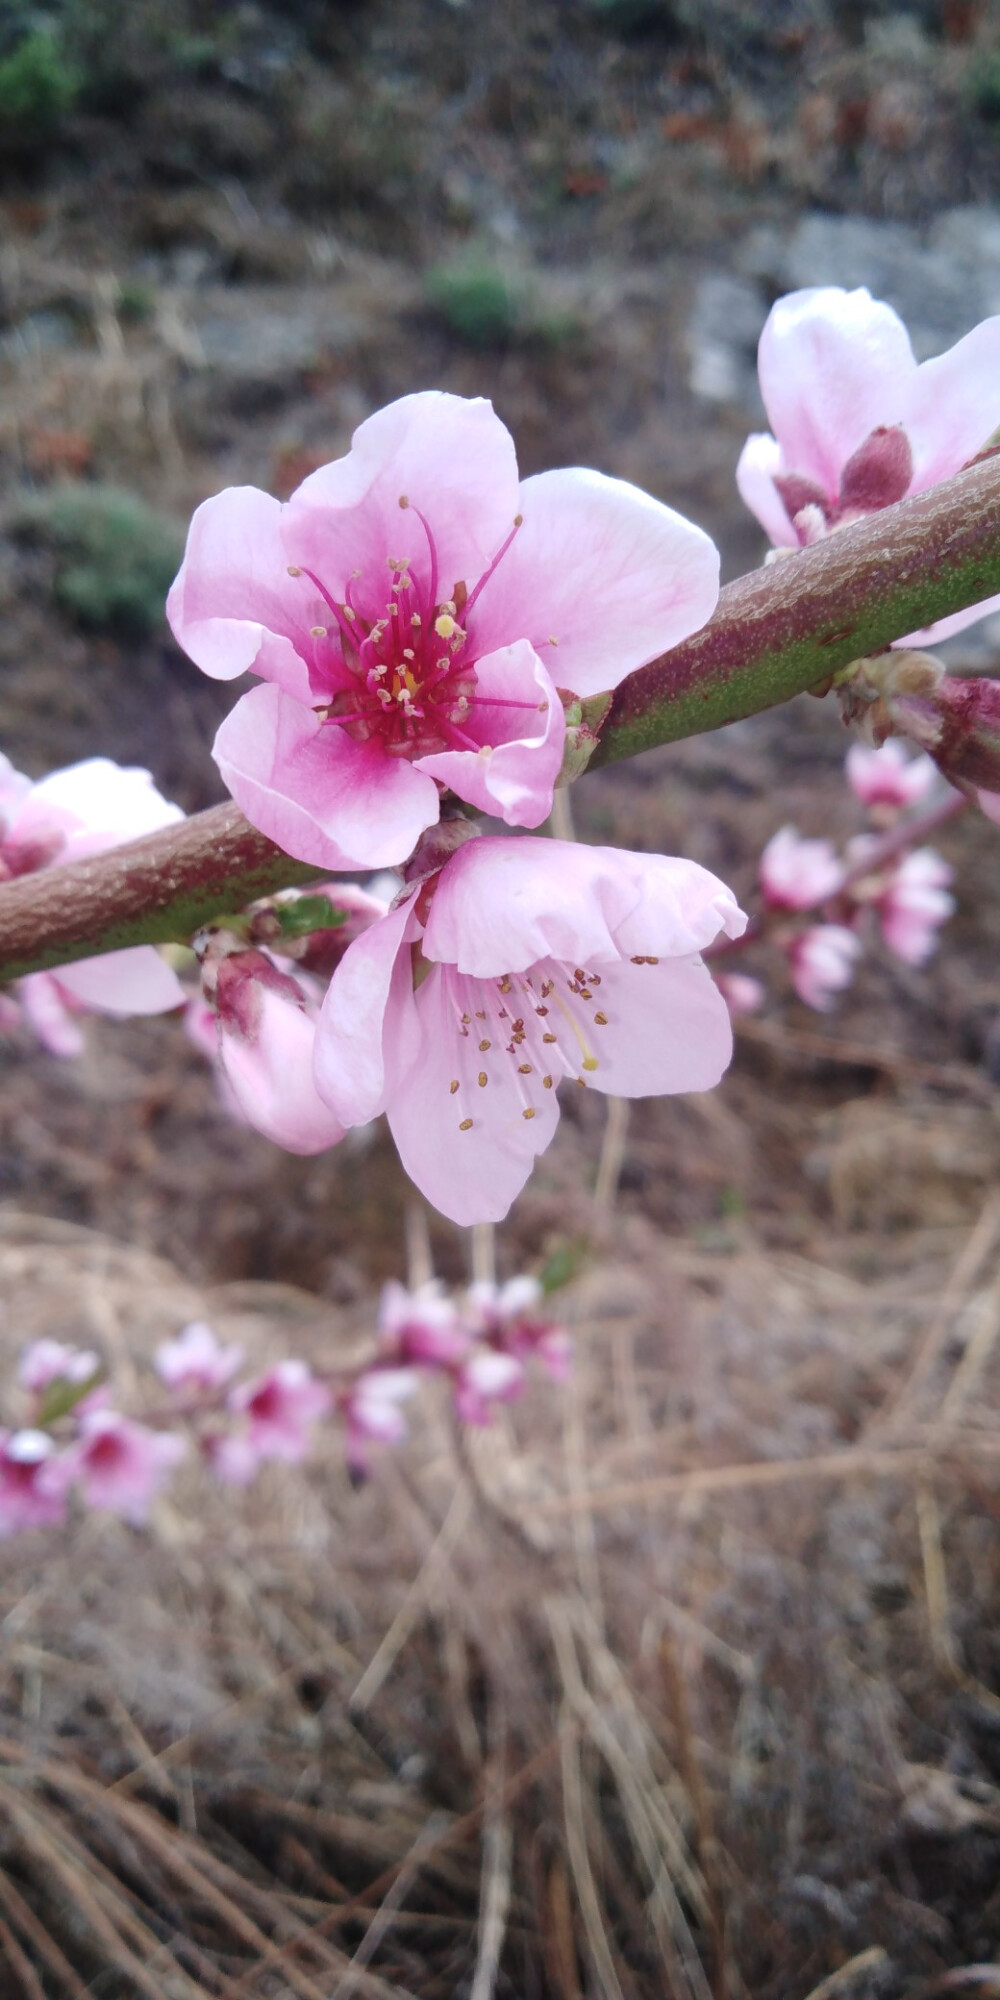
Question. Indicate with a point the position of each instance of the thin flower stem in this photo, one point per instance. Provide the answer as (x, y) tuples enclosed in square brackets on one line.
[(785, 628)]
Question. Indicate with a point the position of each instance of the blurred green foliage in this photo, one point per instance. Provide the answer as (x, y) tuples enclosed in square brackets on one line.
[(37, 88), (485, 307), (114, 557), (982, 85)]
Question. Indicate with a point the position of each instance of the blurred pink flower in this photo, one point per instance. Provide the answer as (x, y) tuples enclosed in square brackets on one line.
[(822, 961), (914, 905), (486, 1378), (411, 611), (46, 1361), (741, 993), (511, 1320), (27, 1499), (372, 1410), (70, 816), (857, 423), (196, 1361), (522, 963), (889, 777), (118, 1464), (279, 1407), (421, 1327), (798, 874)]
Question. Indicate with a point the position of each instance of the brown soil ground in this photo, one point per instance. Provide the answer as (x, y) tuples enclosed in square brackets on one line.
[(684, 1682)]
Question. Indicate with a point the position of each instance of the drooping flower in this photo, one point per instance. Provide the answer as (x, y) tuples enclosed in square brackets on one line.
[(118, 1464), (856, 424), (796, 874), (523, 962), (411, 611), (822, 961), (70, 816), (266, 1031), (280, 1406), (27, 1499), (196, 1362), (888, 780)]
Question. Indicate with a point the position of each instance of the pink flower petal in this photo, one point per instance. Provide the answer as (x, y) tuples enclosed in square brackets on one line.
[(316, 793), (513, 774), (759, 462), (611, 574), (48, 1016), (668, 1030), (270, 1076), (233, 608), (471, 1175), (134, 981), (502, 905), (366, 1019), (833, 365), (94, 805), (450, 457), (953, 406)]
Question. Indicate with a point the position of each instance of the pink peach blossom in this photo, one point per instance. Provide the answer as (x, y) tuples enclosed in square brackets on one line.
[(889, 778), (411, 611), (27, 1499), (372, 1411), (797, 874), (280, 1406), (266, 1027), (70, 816), (741, 992), (512, 1320), (421, 1327), (915, 904), (857, 424), (822, 961), (118, 1464), (522, 963), (44, 1362), (488, 1377), (196, 1362)]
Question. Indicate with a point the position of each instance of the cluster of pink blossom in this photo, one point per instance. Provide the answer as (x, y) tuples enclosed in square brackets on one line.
[(436, 639), (882, 880), (72, 1441)]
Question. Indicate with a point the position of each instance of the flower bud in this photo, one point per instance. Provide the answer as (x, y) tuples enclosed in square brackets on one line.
[(958, 721)]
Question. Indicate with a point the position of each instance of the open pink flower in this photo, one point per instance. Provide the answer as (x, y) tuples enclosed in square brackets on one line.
[(411, 611), (510, 1318), (196, 1362), (522, 963), (797, 874), (488, 1377), (888, 780), (856, 423), (280, 1406), (69, 816), (118, 1464), (27, 1498), (822, 960), (266, 1027)]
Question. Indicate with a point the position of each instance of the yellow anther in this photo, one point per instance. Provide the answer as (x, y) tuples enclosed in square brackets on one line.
[(446, 626), (293, 570), (601, 1020), (547, 1082), (529, 1113), (483, 1079), (590, 1062), (466, 1125), (453, 1085), (483, 1046), (317, 631)]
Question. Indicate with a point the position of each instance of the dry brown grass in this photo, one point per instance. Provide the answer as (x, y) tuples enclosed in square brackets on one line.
[(679, 1684)]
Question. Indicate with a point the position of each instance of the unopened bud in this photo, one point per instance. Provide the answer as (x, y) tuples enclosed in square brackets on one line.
[(959, 723), (878, 473)]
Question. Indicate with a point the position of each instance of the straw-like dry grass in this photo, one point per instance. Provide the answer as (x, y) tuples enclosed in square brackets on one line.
[(676, 1684)]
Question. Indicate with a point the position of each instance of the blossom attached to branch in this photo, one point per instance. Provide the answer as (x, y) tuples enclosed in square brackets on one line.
[(411, 612), (856, 424)]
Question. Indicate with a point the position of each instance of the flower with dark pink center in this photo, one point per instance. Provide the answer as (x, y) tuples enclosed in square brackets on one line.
[(412, 611)]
